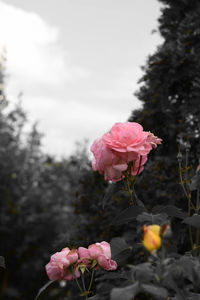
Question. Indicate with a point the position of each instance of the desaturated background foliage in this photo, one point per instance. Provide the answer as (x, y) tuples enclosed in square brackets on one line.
[(49, 202)]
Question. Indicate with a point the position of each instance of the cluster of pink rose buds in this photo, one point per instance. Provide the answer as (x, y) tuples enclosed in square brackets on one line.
[(68, 264), (125, 143)]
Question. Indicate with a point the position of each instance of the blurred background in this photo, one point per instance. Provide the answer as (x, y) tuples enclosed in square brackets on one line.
[(69, 70), (76, 64)]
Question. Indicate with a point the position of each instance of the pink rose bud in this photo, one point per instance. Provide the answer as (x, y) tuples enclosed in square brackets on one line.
[(153, 140)]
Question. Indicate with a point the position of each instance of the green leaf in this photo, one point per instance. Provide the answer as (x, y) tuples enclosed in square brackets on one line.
[(191, 266), (2, 262), (118, 244), (127, 215), (143, 273), (120, 249), (187, 265), (112, 189), (111, 276), (193, 296), (152, 219), (170, 210), (94, 263), (171, 284), (123, 255), (82, 268), (155, 291), (193, 221), (43, 289), (125, 293)]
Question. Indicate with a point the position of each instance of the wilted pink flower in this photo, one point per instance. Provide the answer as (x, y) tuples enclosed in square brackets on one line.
[(58, 267), (101, 252)]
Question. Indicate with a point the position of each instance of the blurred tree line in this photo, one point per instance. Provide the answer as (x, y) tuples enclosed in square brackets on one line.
[(47, 204), (35, 195), (170, 94)]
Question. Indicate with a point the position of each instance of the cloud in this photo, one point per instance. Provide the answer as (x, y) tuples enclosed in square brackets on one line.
[(35, 57), (40, 67), (76, 84), (71, 120)]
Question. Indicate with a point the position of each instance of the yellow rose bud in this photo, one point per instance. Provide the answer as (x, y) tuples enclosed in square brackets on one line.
[(152, 239)]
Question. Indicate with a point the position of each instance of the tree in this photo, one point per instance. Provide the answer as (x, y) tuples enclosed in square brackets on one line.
[(35, 196), (169, 92)]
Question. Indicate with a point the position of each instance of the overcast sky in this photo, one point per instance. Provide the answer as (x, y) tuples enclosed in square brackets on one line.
[(77, 63)]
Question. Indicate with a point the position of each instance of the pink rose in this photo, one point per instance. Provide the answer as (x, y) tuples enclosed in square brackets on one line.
[(107, 161), (113, 163), (101, 252), (58, 267), (130, 137), (127, 137), (125, 143), (84, 256)]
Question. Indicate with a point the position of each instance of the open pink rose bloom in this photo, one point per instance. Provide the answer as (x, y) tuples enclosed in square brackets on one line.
[(101, 253), (59, 267), (125, 143)]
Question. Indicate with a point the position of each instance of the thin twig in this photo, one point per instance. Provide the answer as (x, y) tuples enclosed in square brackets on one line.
[(92, 276), (130, 191), (83, 281), (139, 166), (198, 231), (80, 288), (189, 202), (182, 182), (197, 203)]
